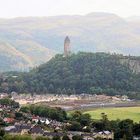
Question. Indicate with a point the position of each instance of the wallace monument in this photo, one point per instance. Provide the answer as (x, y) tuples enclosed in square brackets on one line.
[(67, 47)]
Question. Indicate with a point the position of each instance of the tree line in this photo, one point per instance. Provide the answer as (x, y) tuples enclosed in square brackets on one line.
[(55, 113)]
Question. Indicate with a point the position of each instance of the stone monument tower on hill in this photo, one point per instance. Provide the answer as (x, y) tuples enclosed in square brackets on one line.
[(67, 46)]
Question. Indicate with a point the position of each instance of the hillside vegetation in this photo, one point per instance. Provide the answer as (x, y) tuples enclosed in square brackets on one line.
[(93, 73)]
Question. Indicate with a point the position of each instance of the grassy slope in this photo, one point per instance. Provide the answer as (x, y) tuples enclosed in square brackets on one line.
[(117, 113)]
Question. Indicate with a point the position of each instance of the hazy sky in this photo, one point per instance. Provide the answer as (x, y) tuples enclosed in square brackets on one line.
[(16, 8)]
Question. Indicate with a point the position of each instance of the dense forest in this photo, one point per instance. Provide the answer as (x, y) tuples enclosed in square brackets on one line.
[(93, 73)]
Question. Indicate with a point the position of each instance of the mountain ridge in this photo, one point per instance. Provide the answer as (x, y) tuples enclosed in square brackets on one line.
[(44, 36)]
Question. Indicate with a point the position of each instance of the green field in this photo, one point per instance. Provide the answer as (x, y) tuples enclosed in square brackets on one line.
[(116, 113)]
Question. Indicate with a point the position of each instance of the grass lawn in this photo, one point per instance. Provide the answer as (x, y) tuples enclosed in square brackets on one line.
[(116, 113)]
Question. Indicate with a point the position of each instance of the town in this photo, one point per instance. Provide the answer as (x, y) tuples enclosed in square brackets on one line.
[(36, 119)]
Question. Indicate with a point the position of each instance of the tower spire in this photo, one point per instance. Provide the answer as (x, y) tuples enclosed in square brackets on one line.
[(66, 46)]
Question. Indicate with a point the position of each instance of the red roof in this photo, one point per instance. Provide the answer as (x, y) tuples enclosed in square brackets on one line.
[(35, 117), (8, 120)]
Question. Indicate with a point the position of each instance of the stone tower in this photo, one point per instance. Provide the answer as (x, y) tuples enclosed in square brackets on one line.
[(66, 46)]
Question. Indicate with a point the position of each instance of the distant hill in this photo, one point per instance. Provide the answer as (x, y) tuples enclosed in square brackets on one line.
[(93, 73), (35, 40)]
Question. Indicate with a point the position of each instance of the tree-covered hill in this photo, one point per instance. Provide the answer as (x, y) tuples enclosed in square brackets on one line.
[(79, 73)]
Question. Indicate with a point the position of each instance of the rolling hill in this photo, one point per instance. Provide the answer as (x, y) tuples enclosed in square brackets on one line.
[(30, 41)]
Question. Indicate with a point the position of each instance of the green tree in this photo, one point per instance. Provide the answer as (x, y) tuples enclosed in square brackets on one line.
[(124, 137), (77, 137), (85, 119), (59, 91), (69, 91), (64, 91), (56, 138), (105, 121), (75, 126), (136, 129), (51, 88), (126, 128), (42, 138), (65, 137), (2, 132)]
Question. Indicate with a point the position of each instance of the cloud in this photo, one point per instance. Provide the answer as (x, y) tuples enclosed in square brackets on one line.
[(15, 8)]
